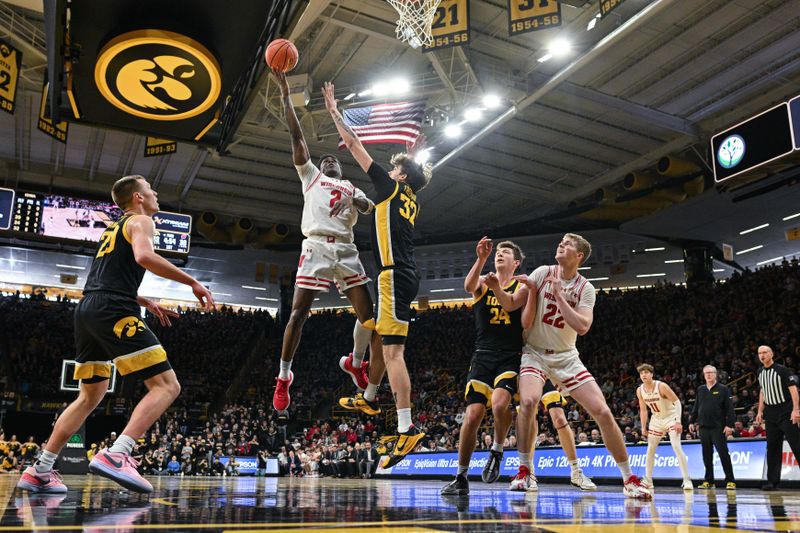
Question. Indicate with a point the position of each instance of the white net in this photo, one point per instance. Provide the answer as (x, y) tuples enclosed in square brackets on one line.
[(416, 18)]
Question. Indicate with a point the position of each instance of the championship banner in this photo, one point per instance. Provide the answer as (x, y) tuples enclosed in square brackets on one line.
[(155, 146), (450, 25), (747, 456), (607, 6), (10, 61), (60, 130), (532, 15)]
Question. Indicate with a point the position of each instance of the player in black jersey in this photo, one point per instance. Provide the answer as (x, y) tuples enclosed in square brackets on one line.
[(396, 211), (492, 379), (108, 329)]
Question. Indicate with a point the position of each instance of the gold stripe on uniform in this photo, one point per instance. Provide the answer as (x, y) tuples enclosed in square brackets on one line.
[(125, 230), (483, 293), (553, 399), (504, 375), (141, 360), (383, 229), (92, 369), (481, 388), (387, 321)]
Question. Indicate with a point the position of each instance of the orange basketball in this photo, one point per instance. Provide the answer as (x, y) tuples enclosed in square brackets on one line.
[(281, 55)]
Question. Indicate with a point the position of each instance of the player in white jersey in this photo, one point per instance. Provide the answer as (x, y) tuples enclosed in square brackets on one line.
[(559, 307), (328, 254), (666, 409)]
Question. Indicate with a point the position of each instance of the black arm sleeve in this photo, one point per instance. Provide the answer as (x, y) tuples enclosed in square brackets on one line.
[(384, 185)]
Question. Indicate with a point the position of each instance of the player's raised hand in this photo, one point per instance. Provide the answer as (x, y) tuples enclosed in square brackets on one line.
[(330, 99), (341, 205), (203, 296), (525, 280), (555, 283), (491, 281), (484, 248), (282, 83)]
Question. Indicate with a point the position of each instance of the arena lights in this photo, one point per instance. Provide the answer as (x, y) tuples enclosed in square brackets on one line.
[(442, 290), (593, 22), (719, 270), (559, 47), (254, 288), (546, 57), (584, 268), (656, 275), (453, 130), (769, 261), (656, 249), (751, 230), (753, 249), (492, 101), (71, 266), (473, 114), (393, 87), (423, 156), (598, 279), (670, 261), (268, 299), (791, 216)]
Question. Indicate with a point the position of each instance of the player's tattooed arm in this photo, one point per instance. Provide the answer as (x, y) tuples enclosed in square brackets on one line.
[(300, 152), (349, 137)]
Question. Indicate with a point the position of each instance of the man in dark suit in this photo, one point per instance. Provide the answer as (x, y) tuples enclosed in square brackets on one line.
[(367, 461)]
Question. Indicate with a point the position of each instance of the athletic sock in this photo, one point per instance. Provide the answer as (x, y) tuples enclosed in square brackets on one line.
[(123, 444), (286, 366), (525, 459), (462, 470), (625, 470), (573, 466), (403, 420), (371, 392), (361, 338), (497, 447), (45, 462)]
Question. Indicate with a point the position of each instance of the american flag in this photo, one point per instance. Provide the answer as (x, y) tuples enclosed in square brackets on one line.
[(398, 122)]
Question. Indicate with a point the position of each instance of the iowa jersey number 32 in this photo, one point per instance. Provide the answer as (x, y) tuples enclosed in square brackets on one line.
[(409, 208)]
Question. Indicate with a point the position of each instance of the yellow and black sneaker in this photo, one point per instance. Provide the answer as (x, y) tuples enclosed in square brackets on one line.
[(359, 403), (406, 443)]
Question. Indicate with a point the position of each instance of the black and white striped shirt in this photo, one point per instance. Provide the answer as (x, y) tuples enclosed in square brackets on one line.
[(775, 382)]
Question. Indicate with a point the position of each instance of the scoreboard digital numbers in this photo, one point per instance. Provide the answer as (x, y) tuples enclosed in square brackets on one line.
[(27, 213), (450, 25), (752, 143), (172, 232), (6, 207), (533, 15)]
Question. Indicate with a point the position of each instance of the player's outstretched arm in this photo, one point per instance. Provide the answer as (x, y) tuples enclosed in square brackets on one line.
[(141, 230), (349, 137), (642, 411), (300, 153), (531, 296)]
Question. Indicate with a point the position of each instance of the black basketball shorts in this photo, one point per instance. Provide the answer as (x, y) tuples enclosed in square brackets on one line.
[(490, 370)]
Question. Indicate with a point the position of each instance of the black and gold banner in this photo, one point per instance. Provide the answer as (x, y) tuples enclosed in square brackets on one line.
[(607, 6), (532, 15), (155, 147), (60, 130), (10, 61), (450, 25)]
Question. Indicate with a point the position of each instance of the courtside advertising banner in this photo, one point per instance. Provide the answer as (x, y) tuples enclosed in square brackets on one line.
[(249, 465), (747, 456)]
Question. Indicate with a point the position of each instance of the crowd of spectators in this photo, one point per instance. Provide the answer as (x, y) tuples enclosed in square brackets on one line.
[(16, 455), (678, 330)]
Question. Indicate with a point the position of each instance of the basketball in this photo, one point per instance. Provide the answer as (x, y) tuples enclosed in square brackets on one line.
[(281, 55)]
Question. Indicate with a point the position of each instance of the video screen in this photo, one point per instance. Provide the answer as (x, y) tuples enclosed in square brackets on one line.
[(77, 219)]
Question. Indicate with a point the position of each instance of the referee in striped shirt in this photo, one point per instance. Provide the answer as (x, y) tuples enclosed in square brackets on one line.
[(779, 408)]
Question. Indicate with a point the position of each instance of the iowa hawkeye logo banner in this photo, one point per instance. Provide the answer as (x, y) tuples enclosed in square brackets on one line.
[(10, 60)]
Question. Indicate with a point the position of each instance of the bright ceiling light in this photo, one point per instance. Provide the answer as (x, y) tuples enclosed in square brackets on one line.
[(267, 299), (740, 252), (656, 275), (442, 290), (657, 249), (473, 114), (365, 92), (399, 86), (380, 89), (71, 266), (670, 261), (423, 156), (791, 216), (762, 226), (559, 47), (545, 57), (769, 261), (350, 96), (453, 130), (719, 270), (492, 101), (597, 279), (584, 268), (254, 288)]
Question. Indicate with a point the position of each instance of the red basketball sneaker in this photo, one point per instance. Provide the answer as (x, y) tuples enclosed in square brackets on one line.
[(281, 399), (359, 375)]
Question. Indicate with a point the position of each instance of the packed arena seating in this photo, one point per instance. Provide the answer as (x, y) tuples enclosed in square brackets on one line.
[(36, 334), (675, 329)]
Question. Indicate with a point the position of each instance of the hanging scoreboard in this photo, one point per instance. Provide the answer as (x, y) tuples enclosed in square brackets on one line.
[(450, 25), (28, 212), (172, 232), (752, 143), (10, 61), (533, 15)]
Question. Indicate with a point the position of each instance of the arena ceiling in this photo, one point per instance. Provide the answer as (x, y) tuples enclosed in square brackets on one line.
[(653, 78)]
